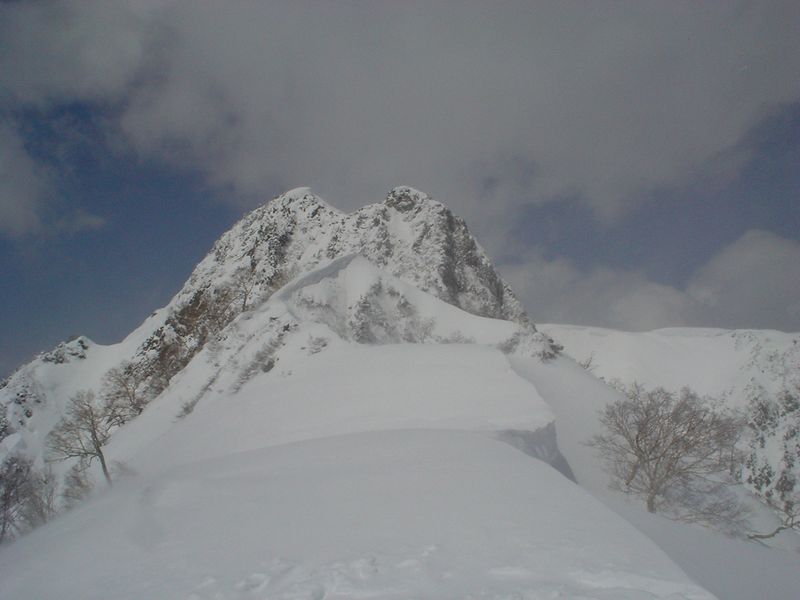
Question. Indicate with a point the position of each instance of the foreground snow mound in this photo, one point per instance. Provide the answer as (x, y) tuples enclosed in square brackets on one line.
[(403, 514)]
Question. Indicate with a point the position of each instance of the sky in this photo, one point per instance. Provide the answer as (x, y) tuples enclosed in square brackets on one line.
[(631, 165)]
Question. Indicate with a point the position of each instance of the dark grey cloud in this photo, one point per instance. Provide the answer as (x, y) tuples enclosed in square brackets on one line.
[(69, 51), (491, 107), (603, 101)]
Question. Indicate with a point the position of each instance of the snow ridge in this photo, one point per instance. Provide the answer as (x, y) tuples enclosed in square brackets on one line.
[(421, 274)]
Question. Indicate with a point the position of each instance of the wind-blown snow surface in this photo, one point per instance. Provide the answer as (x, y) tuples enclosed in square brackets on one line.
[(732, 365), (402, 514), (731, 568)]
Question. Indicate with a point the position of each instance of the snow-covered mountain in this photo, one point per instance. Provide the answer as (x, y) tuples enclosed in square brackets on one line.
[(419, 252), (346, 406)]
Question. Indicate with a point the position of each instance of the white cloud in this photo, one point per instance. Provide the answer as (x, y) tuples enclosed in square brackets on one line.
[(23, 187), (753, 282), (490, 108), (28, 200), (65, 51), (557, 291), (756, 279)]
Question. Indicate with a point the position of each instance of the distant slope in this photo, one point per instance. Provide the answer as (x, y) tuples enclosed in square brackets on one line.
[(728, 364), (733, 569)]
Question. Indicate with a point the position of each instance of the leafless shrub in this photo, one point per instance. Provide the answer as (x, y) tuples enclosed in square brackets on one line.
[(588, 363)]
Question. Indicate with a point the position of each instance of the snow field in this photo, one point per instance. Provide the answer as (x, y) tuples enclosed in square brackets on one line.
[(732, 569), (396, 514)]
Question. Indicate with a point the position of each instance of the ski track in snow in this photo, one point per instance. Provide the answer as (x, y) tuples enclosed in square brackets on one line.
[(414, 577)]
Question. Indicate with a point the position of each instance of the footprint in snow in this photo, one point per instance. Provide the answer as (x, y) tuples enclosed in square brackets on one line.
[(252, 583)]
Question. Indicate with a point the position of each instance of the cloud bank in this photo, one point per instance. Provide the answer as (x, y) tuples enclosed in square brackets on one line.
[(492, 107), (753, 282), (603, 102)]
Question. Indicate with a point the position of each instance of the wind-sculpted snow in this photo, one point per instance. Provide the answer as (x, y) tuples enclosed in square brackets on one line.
[(365, 304), (734, 365), (402, 514)]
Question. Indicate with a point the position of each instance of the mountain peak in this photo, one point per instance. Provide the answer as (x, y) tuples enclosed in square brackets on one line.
[(404, 198), (412, 237), (299, 201)]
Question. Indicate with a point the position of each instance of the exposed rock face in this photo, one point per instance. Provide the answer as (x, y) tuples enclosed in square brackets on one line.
[(412, 236)]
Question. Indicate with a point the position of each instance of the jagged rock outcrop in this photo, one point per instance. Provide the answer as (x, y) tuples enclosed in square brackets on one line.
[(410, 235)]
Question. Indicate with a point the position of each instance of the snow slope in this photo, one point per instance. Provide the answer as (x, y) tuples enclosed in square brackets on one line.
[(728, 364), (36, 394), (404, 514), (730, 568), (346, 389), (314, 466), (349, 406)]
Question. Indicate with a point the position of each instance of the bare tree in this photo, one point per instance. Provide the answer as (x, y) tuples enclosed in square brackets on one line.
[(662, 446), (27, 496), (14, 474), (790, 519), (77, 486), (124, 395), (243, 283), (772, 467), (39, 498), (82, 433)]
